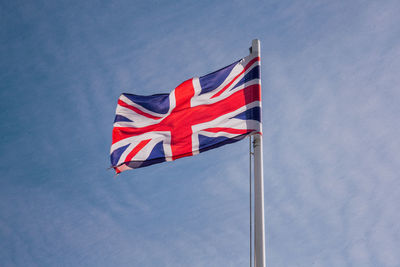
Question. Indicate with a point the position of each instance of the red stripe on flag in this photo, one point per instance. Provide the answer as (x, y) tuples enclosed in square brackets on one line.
[(138, 111), (136, 149), (195, 115), (251, 62), (237, 76), (183, 94)]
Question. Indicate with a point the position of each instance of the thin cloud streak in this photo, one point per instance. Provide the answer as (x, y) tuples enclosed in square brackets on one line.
[(330, 132)]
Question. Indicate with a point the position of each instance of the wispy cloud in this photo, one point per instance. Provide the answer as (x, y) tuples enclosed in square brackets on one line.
[(330, 75)]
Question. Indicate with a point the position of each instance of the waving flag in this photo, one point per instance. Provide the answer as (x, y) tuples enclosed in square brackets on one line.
[(200, 114)]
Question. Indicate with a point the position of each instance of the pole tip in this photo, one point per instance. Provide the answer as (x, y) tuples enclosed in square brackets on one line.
[(255, 46)]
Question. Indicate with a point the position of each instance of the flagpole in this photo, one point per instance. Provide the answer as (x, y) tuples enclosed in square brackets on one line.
[(259, 229)]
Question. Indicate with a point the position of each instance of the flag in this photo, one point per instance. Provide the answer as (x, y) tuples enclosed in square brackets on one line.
[(200, 114)]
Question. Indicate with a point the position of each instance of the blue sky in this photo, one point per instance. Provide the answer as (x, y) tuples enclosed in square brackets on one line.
[(330, 75)]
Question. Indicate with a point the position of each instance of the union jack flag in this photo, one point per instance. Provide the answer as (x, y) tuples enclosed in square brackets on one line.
[(200, 114)]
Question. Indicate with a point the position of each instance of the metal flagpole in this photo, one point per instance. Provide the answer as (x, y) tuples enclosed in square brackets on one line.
[(250, 203), (259, 230)]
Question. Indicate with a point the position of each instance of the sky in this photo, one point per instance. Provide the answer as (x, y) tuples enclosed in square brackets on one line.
[(330, 79)]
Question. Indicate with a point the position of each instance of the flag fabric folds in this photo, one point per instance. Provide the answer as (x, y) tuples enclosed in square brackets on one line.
[(200, 114)]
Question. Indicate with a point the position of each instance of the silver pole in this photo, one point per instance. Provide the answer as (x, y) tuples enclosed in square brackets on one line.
[(250, 202), (259, 229)]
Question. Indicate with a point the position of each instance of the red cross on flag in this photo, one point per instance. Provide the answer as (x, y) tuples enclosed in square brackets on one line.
[(200, 114)]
